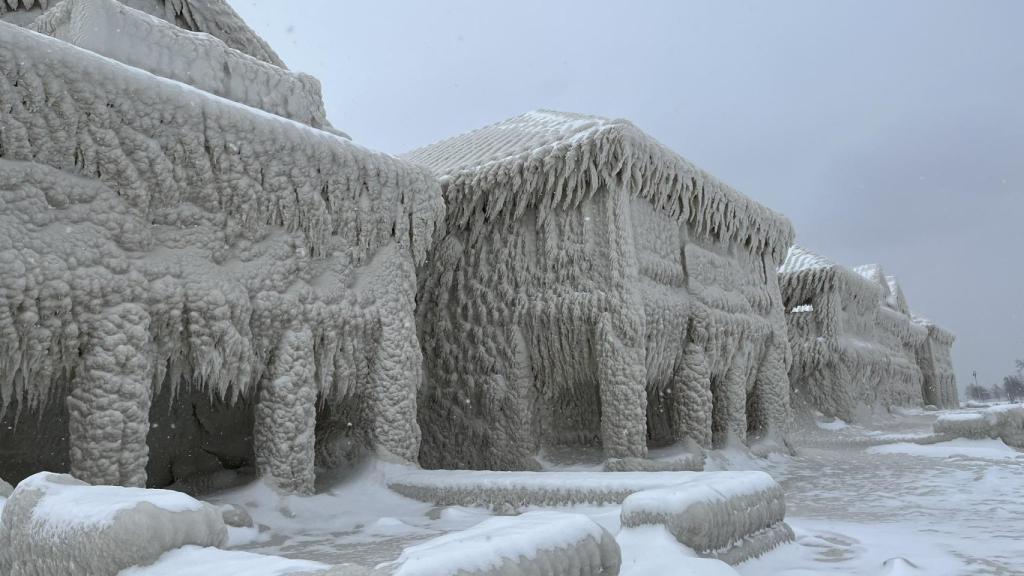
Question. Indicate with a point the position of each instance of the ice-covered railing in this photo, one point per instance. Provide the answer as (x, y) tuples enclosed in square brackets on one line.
[(545, 159), (153, 232), (136, 38)]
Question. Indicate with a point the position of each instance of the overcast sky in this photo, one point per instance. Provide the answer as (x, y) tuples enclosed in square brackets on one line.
[(889, 132)]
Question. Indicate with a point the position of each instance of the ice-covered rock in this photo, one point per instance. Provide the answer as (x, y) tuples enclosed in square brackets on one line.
[(731, 516), (592, 287), (1005, 422), (5, 489), (55, 525), (533, 544)]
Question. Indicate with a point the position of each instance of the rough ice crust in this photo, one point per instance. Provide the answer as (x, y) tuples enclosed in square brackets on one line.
[(1003, 422), (731, 516), (106, 529), (133, 37), (152, 234), (532, 544), (935, 356), (594, 288), (504, 490), (214, 17), (852, 342)]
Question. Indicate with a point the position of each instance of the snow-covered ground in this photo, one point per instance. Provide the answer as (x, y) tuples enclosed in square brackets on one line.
[(862, 499)]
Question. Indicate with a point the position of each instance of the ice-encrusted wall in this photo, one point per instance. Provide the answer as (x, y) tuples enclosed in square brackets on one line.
[(935, 357), (854, 343), (153, 235), (593, 288)]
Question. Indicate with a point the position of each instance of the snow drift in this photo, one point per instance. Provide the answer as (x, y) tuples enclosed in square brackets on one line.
[(532, 544)]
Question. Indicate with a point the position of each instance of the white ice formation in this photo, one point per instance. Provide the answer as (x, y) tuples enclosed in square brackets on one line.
[(1005, 422), (592, 287), (185, 280), (730, 516), (213, 17), (531, 544), (855, 342), (53, 524)]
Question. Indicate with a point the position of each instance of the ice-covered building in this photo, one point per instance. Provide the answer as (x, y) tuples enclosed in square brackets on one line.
[(195, 277), (593, 288), (935, 357), (852, 339)]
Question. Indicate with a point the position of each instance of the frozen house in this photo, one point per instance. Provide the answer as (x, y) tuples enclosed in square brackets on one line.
[(197, 277), (852, 339), (935, 357), (594, 289)]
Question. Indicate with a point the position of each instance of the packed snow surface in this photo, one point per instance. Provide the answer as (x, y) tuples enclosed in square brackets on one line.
[(204, 561), (70, 506), (489, 544)]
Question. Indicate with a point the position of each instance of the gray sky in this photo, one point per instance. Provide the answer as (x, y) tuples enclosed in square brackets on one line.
[(888, 132)]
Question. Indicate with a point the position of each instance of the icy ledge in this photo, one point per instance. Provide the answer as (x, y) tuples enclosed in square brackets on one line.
[(732, 516)]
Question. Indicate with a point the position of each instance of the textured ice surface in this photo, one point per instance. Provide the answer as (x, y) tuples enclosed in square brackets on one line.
[(518, 489), (855, 343), (214, 17), (55, 525), (153, 235), (534, 543), (593, 288), (133, 37), (206, 561), (1005, 422), (732, 516)]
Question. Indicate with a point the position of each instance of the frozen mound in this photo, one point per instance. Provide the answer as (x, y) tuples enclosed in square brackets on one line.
[(504, 490), (5, 489), (189, 285), (214, 17), (532, 544), (133, 37), (854, 342), (204, 561), (1005, 422), (730, 516), (688, 462), (55, 525), (594, 288)]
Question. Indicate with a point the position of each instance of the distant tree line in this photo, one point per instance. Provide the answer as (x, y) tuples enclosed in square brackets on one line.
[(1011, 388)]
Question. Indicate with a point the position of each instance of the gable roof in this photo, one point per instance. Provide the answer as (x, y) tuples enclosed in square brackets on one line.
[(214, 17), (799, 258), (805, 274), (543, 159)]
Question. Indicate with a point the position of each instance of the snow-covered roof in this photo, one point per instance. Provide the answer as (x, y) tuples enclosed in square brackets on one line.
[(799, 258), (547, 158), (214, 17), (805, 274)]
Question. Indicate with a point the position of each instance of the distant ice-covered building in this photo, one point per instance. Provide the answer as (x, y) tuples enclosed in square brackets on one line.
[(593, 288), (854, 341), (935, 357), (196, 276)]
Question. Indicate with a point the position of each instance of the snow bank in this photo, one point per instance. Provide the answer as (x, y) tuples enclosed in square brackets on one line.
[(731, 516), (204, 561), (651, 551), (986, 449), (535, 543), (138, 39), (55, 525), (969, 425), (517, 489)]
